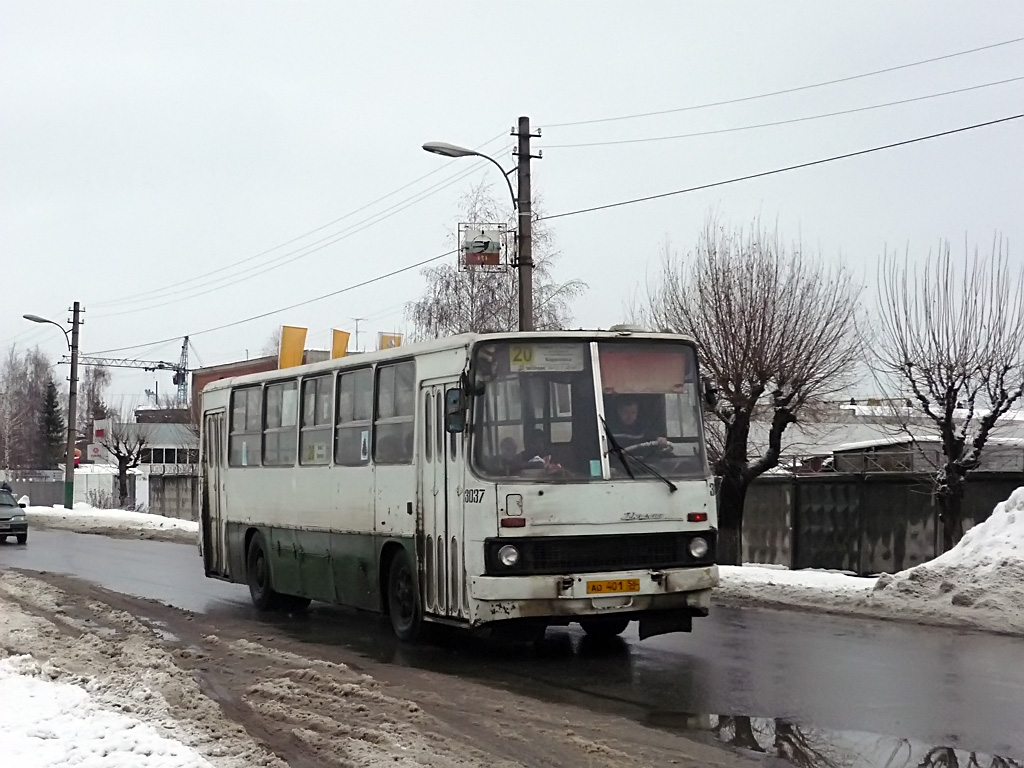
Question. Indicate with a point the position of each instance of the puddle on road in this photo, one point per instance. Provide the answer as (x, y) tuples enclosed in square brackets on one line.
[(778, 742), (158, 628)]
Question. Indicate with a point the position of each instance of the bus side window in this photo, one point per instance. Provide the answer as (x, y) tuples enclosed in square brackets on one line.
[(354, 417), (244, 441), (315, 433), (396, 413), (280, 431)]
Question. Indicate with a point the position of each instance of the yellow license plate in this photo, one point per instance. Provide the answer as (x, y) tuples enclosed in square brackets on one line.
[(616, 587)]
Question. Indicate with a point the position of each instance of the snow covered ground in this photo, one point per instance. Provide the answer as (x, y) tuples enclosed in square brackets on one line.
[(88, 519), (75, 696), (50, 723)]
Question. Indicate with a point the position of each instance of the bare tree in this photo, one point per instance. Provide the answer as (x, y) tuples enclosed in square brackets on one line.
[(952, 336), (775, 333), (23, 379), (461, 301), (125, 441), (272, 345), (92, 399)]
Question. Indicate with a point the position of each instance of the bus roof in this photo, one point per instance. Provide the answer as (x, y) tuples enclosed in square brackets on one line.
[(463, 340)]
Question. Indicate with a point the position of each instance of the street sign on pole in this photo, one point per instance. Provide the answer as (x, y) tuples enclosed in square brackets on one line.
[(483, 246)]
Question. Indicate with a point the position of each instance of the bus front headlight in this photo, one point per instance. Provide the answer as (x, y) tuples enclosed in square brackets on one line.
[(508, 555), (698, 547)]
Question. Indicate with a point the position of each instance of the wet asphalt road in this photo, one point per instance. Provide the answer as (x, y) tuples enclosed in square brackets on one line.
[(929, 686)]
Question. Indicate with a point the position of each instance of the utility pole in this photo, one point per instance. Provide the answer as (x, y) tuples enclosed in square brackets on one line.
[(69, 460), (357, 321), (525, 234)]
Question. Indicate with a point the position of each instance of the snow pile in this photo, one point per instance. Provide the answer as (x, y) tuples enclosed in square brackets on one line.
[(980, 580), (48, 723), (89, 519), (776, 586)]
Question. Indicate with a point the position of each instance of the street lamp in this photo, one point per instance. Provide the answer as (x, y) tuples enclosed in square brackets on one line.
[(445, 149), (72, 340), (520, 204)]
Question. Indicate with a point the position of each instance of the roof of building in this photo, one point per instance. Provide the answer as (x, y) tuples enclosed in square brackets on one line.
[(164, 435)]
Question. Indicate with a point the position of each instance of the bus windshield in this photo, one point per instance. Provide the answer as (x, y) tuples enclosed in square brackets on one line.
[(537, 416)]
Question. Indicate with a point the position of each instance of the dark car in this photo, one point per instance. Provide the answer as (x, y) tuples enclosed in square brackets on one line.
[(13, 521)]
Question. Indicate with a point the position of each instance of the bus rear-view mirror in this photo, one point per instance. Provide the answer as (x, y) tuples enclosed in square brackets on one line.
[(454, 410)]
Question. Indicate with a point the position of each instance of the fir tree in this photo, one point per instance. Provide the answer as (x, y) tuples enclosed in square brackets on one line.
[(51, 428)]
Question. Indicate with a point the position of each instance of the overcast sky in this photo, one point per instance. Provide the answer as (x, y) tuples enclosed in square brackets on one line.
[(145, 144)]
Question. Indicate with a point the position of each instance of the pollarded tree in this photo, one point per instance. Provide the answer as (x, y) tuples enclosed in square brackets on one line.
[(462, 301), (952, 335), (775, 332), (125, 440)]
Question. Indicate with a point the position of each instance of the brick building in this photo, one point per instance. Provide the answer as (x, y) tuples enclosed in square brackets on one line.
[(203, 376)]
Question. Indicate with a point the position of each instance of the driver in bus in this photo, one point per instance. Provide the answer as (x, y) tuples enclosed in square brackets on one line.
[(639, 439)]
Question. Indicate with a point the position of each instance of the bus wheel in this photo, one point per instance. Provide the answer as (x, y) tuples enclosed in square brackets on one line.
[(403, 602), (257, 573), (604, 628)]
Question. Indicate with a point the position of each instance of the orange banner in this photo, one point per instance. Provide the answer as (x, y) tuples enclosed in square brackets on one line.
[(293, 342), (339, 343)]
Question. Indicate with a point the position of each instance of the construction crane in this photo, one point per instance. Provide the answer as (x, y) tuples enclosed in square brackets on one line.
[(180, 368)]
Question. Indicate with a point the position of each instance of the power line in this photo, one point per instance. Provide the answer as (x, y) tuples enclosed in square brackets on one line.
[(786, 90), (268, 251), (574, 213), (285, 309), (780, 170), (300, 253), (784, 122)]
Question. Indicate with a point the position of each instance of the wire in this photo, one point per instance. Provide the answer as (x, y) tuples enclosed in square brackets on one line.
[(284, 309), (787, 90), (226, 267), (309, 249), (779, 170), (785, 122), (573, 213)]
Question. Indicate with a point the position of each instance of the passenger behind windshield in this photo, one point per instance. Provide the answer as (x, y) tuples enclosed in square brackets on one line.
[(637, 434), (536, 455)]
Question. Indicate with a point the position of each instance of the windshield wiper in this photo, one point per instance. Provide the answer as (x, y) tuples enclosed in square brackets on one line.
[(617, 449), (623, 454), (672, 486)]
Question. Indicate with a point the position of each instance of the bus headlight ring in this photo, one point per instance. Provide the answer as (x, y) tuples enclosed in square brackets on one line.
[(508, 555), (698, 547)]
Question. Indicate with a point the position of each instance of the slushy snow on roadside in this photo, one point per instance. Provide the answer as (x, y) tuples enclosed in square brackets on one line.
[(49, 723)]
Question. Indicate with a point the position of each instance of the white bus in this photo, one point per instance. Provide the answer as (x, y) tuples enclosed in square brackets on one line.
[(511, 480)]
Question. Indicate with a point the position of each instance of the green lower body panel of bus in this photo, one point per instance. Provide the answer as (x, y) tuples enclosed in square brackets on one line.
[(330, 566)]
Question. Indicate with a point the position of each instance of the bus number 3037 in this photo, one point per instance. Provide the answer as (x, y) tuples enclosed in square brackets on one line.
[(473, 495)]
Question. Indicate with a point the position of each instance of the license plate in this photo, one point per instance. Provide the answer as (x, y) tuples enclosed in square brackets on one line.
[(614, 587)]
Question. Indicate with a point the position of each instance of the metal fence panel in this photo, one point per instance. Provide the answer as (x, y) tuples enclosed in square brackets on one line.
[(868, 524), (767, 525)]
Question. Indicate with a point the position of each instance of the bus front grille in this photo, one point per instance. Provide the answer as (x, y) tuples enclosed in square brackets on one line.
[(589, 554)]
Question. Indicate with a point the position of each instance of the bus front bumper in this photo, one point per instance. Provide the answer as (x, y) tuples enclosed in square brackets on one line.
[(499, 598)]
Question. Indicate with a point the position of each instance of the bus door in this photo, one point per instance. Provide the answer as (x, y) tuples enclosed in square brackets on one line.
[(442, 481), (214, 557)]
